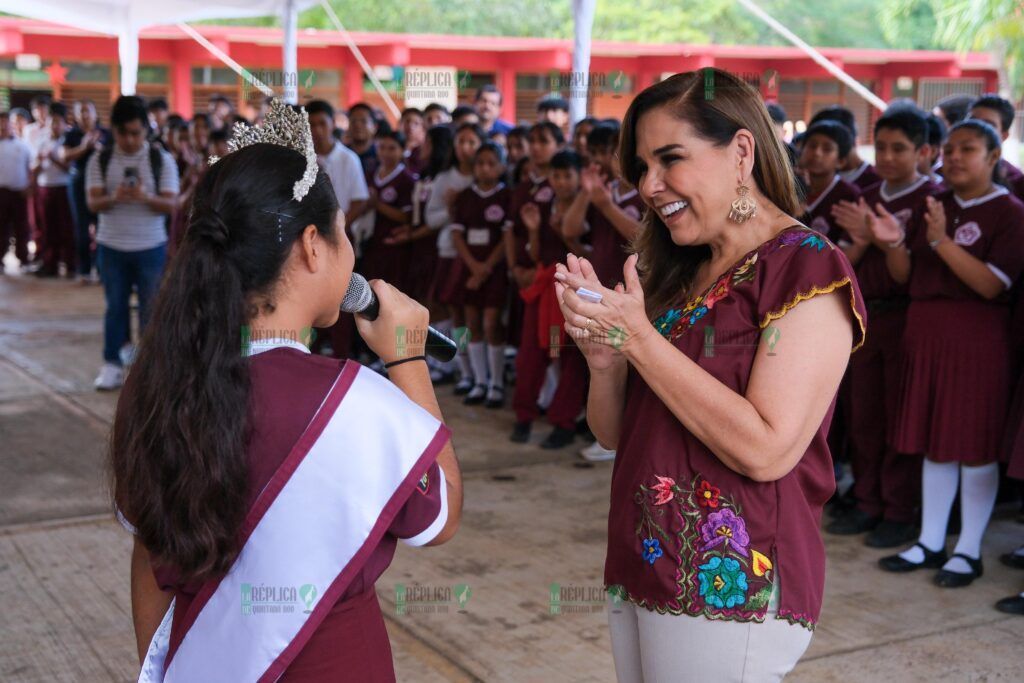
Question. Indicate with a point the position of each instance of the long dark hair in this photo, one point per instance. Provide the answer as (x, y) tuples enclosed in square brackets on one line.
[(441, 139), (178, 452), (717, 105)]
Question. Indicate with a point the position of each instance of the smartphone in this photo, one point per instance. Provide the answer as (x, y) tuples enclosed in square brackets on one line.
[(131, 176)]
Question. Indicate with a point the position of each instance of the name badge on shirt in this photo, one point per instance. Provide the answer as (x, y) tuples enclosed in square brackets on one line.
[(477, 237)]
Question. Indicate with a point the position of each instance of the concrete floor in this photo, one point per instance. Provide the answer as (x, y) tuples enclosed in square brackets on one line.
[(532, 518)]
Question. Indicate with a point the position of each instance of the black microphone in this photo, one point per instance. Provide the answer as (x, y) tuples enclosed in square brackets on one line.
[(360, 299)]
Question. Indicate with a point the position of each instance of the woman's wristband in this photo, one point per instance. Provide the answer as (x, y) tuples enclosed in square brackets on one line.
[(404, 360)]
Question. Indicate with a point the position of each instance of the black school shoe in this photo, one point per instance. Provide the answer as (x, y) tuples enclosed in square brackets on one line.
[(558, 438), (1014, 605), (948, 579), (854, 522), (520, 433), (1012, 560), (933, 559), (889, 534)]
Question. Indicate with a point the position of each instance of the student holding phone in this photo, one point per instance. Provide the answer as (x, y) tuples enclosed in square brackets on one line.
[(131, 186)]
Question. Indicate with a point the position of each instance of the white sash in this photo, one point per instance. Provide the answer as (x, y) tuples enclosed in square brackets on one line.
[(318, 519)]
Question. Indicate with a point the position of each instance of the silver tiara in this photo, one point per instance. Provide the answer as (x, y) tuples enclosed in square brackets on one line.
[(282, 126)]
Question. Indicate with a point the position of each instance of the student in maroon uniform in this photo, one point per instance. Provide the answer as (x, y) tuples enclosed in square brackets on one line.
[(479, 219), (53, 207), (608, 205), (936, 138), (715, 561), (853, 169), (999, 113), (391, 187), (533, 253), (412, 127), (826, 146), (886, 484), (957, 359)]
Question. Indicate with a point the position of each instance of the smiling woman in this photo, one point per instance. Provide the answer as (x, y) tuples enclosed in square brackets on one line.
[(723, 466)]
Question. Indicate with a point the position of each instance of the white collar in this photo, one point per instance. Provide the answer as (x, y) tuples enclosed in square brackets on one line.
[(380, 182), (851, 176), (261, 345), (484, 194), (537, 179), (619, 198), (900, 193), (968, 203), (824, 193)]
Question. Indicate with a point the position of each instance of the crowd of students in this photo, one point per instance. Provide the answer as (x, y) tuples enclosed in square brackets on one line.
[(469, 214)]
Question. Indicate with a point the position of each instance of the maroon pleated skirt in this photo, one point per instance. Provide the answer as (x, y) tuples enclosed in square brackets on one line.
[(493, 293), (448, 278), (388, 263), (955, 386), (422, 265)]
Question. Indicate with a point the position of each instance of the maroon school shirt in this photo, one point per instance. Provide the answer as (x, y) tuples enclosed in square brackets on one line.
[(863, 177), (686, 534), (482, 216), (819, 208), (395, 190), (552, 249), (609, 245), (287, 388), (908, 206), (990, 228)]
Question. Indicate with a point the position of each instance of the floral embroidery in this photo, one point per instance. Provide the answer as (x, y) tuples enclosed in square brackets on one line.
[(722, 583), (719, 575), (674, 322), (665, 323), (652, 550), (707, 495), (725, 528)]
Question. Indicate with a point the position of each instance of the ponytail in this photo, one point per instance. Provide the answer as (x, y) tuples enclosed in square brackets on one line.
[(179, 445)]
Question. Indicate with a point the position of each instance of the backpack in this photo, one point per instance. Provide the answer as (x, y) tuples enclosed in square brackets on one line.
[(156, 164)]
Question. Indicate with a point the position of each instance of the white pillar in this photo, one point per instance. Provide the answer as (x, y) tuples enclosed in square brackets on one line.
[(583, 16), (290, 61)]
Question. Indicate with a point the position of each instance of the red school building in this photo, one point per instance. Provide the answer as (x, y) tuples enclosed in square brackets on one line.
[(68, 63)]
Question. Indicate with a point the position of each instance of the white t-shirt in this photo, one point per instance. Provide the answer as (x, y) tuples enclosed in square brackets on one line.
[(50, 172), (437, 209), (15, 160), (346, 173), (132, 226)]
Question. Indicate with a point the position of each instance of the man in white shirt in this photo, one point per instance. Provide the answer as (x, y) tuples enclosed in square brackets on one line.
[(15, 162), (132, 187)]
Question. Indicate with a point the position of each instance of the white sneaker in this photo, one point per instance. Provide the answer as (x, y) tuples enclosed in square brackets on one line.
[(127, 355), (595, 452), (111, 377)]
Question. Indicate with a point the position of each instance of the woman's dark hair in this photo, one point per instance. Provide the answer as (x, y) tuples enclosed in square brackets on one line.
[(441, 138), (667, 269), (178, 450), (993, 141), (126, 109), (834, 131)]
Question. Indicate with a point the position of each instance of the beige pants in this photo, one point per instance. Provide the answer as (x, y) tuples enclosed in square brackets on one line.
[(663, 648)]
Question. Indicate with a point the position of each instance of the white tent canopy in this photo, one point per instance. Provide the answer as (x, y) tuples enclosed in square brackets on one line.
[(125, 18)]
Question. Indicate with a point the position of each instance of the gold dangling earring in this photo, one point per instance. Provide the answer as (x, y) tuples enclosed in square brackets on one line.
[(743, 207)]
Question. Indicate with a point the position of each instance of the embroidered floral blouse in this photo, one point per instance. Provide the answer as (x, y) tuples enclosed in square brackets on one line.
[(688, 535)]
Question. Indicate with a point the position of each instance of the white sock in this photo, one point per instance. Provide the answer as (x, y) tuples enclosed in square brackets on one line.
[(465, 371), (938, 489), (978, 488), (496, 363), (547, 391), (478, 361)]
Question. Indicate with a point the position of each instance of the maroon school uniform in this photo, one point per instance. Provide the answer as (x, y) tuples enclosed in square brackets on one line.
[(608, 244), (955, 388), (389, 262), (532, 358), (863, 177), (14, 221), (424, 250), (482, 216), (885, 483), (819, 209), (288, 387), (686, 534)]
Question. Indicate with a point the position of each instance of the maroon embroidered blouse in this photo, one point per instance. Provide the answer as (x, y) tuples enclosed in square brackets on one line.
[(688, 535)]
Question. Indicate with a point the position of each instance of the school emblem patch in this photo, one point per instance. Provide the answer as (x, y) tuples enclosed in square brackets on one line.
[(494, 213), (424, 484), (967, 234), (544, 194), (388, 194)]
